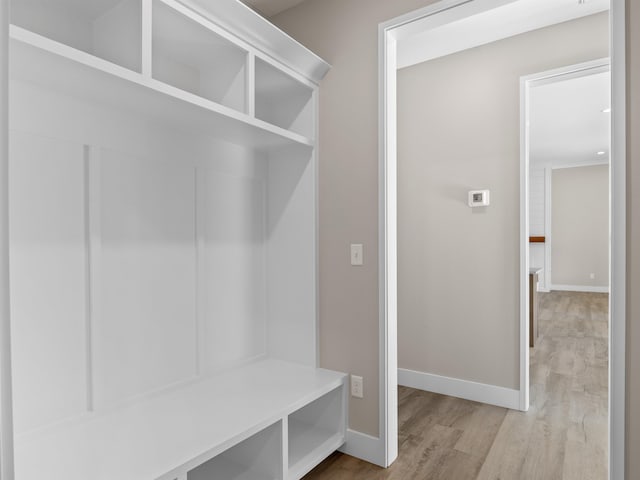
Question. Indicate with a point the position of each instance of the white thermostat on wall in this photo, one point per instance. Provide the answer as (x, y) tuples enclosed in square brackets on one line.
[(479, 198)]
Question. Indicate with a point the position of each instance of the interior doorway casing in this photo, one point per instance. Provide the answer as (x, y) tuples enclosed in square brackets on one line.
[(388, 34)]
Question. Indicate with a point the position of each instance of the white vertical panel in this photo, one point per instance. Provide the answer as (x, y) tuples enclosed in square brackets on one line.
[(618, 418), (6, 414), (250, 85), (537, 218), (536, 200), (232, 215), (291, 256), (144, 335), (147, 37), (48, 275)]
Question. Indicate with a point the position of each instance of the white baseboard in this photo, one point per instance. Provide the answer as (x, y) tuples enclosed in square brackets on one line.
[(580, 288), (478, 392), (365, 447)]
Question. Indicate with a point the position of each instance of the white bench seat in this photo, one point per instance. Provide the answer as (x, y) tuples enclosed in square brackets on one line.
[(165, 436)]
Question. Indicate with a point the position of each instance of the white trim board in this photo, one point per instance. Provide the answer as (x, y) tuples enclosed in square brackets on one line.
[(594, 163), (579, 288), (484, 23), (6, 406), (364, 447), (548, 231), (454, 387), (618, 255)]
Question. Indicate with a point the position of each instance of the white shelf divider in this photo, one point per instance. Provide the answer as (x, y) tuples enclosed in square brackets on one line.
[(147, 38)]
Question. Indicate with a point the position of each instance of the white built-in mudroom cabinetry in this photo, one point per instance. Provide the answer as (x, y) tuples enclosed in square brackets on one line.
[(163, 245)]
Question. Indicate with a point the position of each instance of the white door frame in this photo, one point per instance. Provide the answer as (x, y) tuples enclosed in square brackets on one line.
[(6, 417), (388, 234)]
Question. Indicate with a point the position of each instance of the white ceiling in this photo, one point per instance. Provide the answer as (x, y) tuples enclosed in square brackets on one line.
[(490, 20), (269, 8), (567, 125)]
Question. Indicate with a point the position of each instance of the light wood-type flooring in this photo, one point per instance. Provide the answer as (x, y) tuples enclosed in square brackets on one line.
[(563, 436)]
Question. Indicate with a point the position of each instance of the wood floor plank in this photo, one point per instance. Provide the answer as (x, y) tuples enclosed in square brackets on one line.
[(546, 451)]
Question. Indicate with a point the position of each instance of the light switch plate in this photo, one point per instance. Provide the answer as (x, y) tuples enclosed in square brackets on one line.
[(357, 254), (357, 386)]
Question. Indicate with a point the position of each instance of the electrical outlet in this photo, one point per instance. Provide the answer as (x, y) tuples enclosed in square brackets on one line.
[(592, 276), (357, 254), (357, 386)]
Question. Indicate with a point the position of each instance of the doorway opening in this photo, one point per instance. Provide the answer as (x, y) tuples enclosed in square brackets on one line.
[(566, 131), (425, 22)]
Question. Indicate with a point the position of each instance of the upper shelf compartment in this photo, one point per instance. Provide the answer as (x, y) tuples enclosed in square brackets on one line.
[(283, 101), (189, 55), (109, 29), (243, 22), (40, 61)]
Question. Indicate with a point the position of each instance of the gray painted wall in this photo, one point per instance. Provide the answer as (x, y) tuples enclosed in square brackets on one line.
[(458, 268), (633, 241), (580, 226)]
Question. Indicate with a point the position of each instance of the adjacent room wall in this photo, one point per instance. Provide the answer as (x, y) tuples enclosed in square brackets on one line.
[(345, 34), (580, 226), (458, 267)]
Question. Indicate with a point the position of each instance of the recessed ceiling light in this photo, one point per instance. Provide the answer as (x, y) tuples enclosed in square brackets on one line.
[(601, 152), (606, 110)]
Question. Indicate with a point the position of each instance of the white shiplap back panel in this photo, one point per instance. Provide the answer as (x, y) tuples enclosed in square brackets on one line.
[(48, 270), (232, 221), (291, 256), (144, 330)]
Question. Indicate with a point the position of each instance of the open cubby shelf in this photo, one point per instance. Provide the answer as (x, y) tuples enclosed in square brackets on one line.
[(282, 100), (259, 457), (315, 431), (108, 29), (188, 55)]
